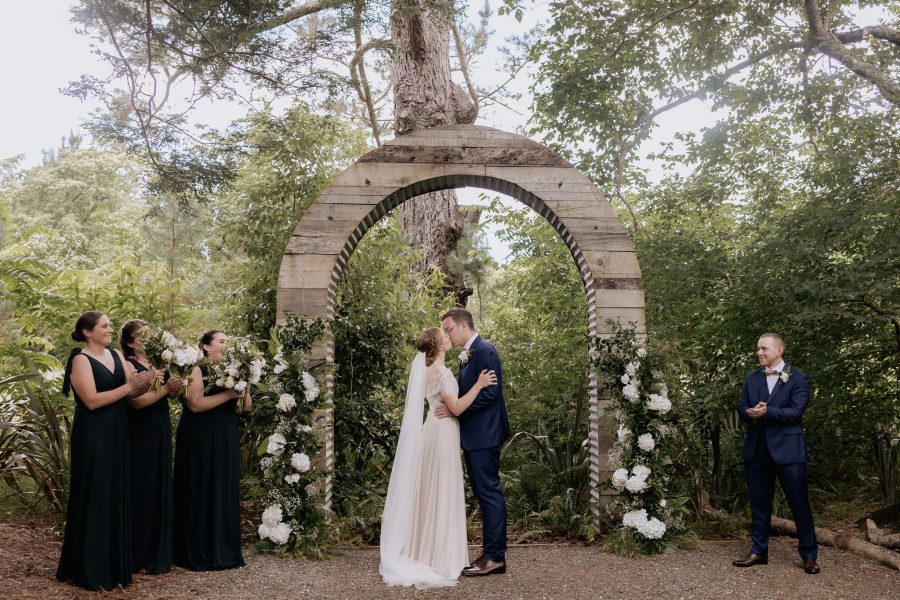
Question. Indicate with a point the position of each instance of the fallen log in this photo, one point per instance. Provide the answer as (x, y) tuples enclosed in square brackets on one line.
[(852, 544), (878, 536)]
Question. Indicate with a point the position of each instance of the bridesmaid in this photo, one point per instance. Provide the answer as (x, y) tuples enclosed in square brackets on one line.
[(207, 471), (96, 552), (151, 461)]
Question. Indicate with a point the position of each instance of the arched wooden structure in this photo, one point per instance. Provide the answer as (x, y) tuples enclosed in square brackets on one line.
[(460, 156)]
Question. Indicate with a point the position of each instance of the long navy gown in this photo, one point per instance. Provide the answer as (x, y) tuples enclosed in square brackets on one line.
[(207, 488), (151, 485), (96, 552)]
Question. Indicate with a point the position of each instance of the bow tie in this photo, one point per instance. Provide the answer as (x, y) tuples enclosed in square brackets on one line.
[(771, 372)]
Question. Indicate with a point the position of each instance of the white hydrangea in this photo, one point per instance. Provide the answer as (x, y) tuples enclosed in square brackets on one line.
[(285, 402), (652, 528), (272, 515), (663, 503), (631, 394), (645, 442), (292, 478), (623, 434), (311, 387), (636, 485), (300, 462), (276, 444), (280, 533), (631, 368), (659, 403), (641, 471), (625, 379), (240, 386), (619, 478)]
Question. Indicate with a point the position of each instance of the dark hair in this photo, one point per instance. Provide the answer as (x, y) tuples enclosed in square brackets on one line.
[(428, 342), (207, 339), (460, 315), (127, 335), (88, 320)]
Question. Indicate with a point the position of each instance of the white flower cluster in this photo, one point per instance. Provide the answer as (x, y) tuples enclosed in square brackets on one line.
[(272, 527), (276, 444), (285, 402), (645, 442), (635, 483), (280, 364), (651, 528), (310, 387), (300, 462), (659, 403)]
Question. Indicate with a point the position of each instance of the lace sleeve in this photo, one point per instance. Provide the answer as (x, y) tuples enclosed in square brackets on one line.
[(448, 383)]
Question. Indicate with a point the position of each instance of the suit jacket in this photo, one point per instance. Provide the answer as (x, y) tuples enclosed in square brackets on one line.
[(484, 424), (782, 425)]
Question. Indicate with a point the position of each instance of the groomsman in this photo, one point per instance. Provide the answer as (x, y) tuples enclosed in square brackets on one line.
[(772, 403)]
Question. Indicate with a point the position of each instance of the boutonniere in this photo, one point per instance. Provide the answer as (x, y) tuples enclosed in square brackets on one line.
[(785, 375), (463, 357)]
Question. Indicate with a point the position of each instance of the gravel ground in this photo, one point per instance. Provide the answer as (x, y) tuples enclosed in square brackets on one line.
[(28, 557)]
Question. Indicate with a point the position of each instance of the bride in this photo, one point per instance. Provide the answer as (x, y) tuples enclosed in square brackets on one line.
[(423, 529)]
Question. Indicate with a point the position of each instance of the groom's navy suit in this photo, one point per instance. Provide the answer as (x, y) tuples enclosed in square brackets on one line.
[(483, 427), (775, 447)]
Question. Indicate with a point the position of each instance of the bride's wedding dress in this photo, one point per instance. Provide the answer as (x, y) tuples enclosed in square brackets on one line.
[(423, 531)]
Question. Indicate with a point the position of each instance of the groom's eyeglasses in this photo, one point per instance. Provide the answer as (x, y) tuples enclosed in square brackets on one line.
[(447, 330)]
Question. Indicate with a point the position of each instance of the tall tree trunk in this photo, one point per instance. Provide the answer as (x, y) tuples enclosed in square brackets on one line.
[(425, 96)]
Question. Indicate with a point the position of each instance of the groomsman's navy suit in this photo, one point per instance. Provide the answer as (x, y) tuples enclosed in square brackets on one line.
[(775, 447), (483, 427)]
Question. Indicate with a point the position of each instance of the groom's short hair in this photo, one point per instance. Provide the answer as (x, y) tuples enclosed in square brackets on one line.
[(460, 315), (778, 339)]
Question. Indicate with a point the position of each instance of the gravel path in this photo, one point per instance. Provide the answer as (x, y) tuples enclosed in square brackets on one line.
[(28, 558)]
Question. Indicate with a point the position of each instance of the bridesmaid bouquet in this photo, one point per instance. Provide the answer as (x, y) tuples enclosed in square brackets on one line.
[(241, 367), (184, 359), (159, 348)]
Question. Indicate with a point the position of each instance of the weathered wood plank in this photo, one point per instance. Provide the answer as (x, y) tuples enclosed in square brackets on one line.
[(620, 298), (623, 316), (310, 302), (525, 155), (306, 270), (612, 264)]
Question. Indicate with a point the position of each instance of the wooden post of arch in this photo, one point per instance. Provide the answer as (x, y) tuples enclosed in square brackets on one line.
[(459, 156)]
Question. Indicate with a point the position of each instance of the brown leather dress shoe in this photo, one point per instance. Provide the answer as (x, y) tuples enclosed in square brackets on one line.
[(488, 567), (811, 567), (477, 562), (750, 560)]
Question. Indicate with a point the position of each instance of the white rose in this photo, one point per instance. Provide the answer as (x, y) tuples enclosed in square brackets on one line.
[(663, 503), (166, 355), (229, 382), (625, 379), (240, 386)]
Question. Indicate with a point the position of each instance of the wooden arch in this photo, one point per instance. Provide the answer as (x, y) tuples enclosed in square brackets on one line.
[(459, 156)]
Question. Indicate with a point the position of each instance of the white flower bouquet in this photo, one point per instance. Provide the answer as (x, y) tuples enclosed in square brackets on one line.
[(241, 367), (159, 348)]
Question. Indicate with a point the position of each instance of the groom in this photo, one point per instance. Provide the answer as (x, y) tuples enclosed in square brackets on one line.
[(772, 403), (483, 427)]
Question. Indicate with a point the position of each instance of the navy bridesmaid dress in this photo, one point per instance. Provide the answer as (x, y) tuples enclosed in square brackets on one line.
[(151, 485), (96, 552), (207, 488)]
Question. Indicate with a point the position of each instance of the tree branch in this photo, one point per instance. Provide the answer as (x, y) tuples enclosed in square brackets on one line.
[(358, 64), (654, 23), (304, 10), (463, 65), (831, 44)]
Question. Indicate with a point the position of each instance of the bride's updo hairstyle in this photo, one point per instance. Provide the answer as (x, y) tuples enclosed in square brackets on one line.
[(429, 342)]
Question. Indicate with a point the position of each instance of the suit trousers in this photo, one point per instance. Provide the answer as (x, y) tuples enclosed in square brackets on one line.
[(483, 467), (761, 471)]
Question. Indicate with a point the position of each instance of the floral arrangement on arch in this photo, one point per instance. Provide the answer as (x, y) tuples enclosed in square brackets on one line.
[(292, 521), (650, 515)]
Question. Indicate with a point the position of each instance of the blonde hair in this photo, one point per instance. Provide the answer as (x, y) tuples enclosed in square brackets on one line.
[(429, 343)]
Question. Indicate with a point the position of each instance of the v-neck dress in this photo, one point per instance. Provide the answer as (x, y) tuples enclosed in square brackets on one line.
[(96, 552)]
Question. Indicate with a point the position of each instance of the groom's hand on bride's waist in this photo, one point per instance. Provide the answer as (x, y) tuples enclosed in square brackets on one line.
[(441, 411)]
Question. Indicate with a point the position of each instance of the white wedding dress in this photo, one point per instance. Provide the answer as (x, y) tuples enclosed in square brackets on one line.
[(423, 530)]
